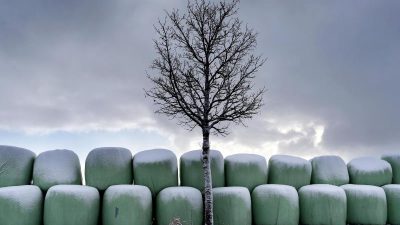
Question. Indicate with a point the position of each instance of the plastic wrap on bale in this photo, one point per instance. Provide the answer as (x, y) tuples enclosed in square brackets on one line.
[(232, 205), (16, 166), (191, 169), (394, 160), (289, 170), (156, 169), (108, 166), (56, 167), (369, 171), (329, 169), (245, 170), (392, 192), (366, 204), (127, 205), (71, 205), (275, 204), (21, 205), (322, 204), (179, 204)]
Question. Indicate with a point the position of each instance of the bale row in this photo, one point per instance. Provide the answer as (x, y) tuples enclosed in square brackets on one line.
[(157, 169), (318, 204)]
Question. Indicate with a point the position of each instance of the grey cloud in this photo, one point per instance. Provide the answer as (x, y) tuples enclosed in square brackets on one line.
[(333, 64), (74, 62)]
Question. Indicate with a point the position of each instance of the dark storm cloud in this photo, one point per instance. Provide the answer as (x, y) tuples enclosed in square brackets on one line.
[(331, 64), (335, 62), (71, 63)]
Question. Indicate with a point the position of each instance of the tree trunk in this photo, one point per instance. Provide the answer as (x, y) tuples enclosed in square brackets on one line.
[(208, 198)]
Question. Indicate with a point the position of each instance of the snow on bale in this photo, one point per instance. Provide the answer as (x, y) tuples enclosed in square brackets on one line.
[(369, 171), (275, 204), (71, 205), (108, 166), (329, 169), (289, 170), (245, 170), (15, 166), (232, 205), (394, 160), (392, 192), (156, 169), (179, 204), (366, 204), (191, 169), (56, 167), (322, 204), (127, 204), (21, 205)]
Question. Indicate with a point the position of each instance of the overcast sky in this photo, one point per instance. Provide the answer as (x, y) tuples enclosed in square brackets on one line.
[(72, 74)]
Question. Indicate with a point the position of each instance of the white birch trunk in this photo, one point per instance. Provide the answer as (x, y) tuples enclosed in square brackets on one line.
[(208, 198)]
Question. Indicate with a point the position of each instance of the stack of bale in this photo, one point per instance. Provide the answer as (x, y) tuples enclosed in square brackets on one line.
[(109, 170), (323, 201), (366, 199), (58, 174), (392, 191), (20, 202), (277, 202), (145, 189)]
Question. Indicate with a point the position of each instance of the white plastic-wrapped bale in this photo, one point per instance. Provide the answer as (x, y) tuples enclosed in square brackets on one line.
[(21, 205), (191, 169), (71, 205), (179, 205), (245, 170), (322, 204), (394, 160), (366, 204), (15, 166), (156, 169), (369, 171), (329, 169), (56, 167), (232, 205), (289, 170), (108, 166), (392, 192), (127, 205), (275, 204)]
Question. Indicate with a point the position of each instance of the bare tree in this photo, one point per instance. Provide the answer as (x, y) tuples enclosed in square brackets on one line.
[(205, 66)]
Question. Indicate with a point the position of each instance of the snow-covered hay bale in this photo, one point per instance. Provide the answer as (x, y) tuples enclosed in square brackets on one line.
[(392, 192), (369, 171), (232, 205), (329, 169), (245, 170), (289, 170), (322, 204), (191, 169), (366, 204), (21, 205), (15, 166), (108, 166), (127, 204), (56, 167), (275, 204), (394, 160), (71, 205), (155, 169), (179, 204)]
